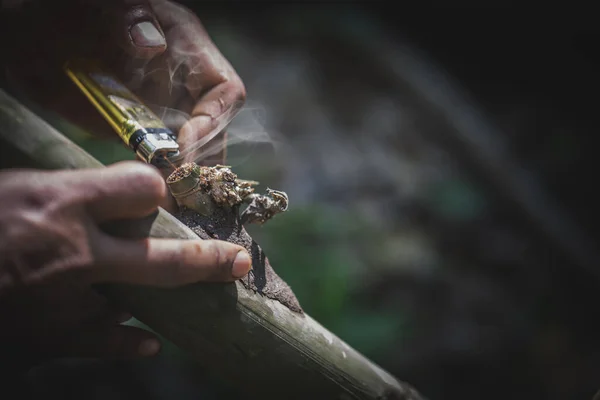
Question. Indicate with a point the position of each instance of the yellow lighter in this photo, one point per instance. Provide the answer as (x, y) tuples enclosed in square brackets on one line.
[(133, 121)]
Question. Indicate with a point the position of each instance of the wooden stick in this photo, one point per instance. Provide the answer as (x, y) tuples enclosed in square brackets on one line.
[(240, 335)]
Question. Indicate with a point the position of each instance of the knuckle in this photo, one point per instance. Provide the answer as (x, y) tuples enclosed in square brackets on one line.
[(137, 10), (195, 249), (239, 91), (217, 254), (215, 257), (41, 197), (34, 190), (184, 268), (58, 251)]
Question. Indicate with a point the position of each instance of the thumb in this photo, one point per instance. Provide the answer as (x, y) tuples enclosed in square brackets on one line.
[(136, 28), (169, 262)]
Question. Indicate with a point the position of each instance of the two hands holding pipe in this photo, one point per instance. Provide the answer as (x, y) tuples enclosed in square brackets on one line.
[(51, 246)]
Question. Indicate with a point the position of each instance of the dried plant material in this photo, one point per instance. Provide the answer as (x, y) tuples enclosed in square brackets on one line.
[(245, 188), (210, 199), (263, 207), (202, 188), (182, 172)]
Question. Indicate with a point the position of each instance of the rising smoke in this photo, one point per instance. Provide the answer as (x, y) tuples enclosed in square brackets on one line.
[(192, 85)]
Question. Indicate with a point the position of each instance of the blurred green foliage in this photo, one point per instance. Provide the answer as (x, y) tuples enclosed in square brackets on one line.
[(456, 199)]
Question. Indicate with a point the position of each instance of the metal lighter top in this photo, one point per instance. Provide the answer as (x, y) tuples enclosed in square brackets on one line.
[(133, 121)]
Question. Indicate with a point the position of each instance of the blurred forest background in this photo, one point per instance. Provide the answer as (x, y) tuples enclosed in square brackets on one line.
[(440, 168)]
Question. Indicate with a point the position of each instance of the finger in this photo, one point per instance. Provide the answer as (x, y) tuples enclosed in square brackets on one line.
[(112, 342), (124, 190), (135, 28), (214, 91), (211, 115), (214, 152), (170, 262), (168, 203)]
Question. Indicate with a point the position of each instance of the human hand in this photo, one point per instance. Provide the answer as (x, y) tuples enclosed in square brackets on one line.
[(52, 250), (157, 48)]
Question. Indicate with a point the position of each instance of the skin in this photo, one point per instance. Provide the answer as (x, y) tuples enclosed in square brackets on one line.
[(51, 246)]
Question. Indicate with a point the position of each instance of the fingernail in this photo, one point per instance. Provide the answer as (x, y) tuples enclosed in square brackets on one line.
[(241, 264), (145, 34), (149, 347)]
